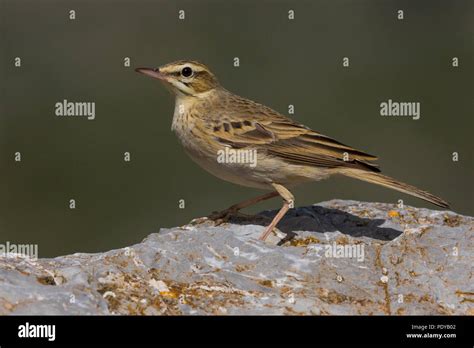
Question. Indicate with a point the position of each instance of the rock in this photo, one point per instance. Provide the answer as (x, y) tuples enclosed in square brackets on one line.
[(353, 258)]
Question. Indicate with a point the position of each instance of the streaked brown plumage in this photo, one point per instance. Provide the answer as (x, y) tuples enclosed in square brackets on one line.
[(208, 118)]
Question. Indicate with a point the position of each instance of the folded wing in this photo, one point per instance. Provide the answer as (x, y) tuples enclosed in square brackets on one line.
[(281, 137)]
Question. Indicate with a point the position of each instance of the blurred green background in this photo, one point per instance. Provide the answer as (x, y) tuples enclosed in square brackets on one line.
[(282, 62)]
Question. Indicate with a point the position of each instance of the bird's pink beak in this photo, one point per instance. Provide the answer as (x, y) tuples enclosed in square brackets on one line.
[(155, 73)]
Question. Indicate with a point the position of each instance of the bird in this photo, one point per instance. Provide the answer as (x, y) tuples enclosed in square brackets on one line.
[(208, 119)]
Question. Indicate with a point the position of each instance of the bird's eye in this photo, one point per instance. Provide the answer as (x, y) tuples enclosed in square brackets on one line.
[(187, 71)]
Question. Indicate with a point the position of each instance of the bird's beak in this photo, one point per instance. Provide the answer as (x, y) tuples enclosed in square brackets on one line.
[(155, 73)]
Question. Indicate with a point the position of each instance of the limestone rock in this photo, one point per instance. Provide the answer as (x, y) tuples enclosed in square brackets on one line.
[(336, 257)]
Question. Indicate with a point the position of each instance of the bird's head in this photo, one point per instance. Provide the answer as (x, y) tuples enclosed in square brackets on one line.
[(188, 78)]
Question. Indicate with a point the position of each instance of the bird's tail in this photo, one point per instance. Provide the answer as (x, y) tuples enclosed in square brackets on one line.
[(379, 179)]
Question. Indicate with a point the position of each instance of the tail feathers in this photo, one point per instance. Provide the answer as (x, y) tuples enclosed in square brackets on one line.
[(379, 179)]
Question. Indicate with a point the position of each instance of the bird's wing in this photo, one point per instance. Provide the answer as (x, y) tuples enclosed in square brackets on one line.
[(281, 137)]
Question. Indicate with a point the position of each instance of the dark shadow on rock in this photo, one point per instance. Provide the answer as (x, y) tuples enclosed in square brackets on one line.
[(321, 219)]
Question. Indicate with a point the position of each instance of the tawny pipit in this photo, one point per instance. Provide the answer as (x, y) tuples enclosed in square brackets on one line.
[(208, 118)]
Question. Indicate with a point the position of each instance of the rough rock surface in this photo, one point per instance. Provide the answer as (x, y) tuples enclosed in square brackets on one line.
[(354, 258)]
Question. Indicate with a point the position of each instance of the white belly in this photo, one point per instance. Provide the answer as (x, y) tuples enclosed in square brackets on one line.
[(266, 171)]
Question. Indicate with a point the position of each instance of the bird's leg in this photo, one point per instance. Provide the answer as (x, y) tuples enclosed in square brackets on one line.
[(224, 215), (253, 201), (288, 201)]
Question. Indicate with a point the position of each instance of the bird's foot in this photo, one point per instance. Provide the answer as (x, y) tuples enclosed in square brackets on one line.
[(231, 215), (224, 216), (272, 235)]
